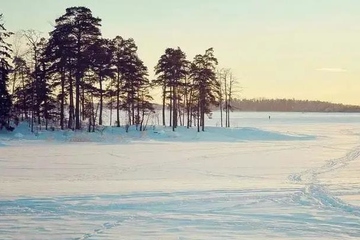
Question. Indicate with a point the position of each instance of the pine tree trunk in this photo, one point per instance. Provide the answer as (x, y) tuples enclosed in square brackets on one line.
[(118, 100), (111, 111), (129, 109), (32, 106), (132, 102), (83, 103), (132, 110), (24, 97), (101, 102), (202, 118), (198, 116), (174, 109), (226, 106), (137, 115), (202, 107), (163, 106), (189, 110), (93, 113), (46, 114), (229, 119), (62, 100), (89, 127), (170, 107), (71, 103), (129, 114), (77, 102), (221, 112), (189, 113), (77, 85)]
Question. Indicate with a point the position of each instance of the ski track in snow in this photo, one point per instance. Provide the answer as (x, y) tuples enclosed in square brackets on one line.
[(317, 192), (310, 175)]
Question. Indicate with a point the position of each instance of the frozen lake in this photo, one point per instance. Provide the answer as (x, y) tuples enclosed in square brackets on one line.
[(294, 176)]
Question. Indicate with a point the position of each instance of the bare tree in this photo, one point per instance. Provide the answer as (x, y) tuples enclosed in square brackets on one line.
[(219, 74), (17, 52), (228, 83), (33, 38), (230, 92)]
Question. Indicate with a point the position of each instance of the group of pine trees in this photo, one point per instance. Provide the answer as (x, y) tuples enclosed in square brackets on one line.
[(69, 78)]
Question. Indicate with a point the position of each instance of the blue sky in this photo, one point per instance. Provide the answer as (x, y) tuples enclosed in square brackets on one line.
[(306, 49)]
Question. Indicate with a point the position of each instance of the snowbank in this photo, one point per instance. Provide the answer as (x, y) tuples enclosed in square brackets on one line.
[(217, 134), (156, 133)]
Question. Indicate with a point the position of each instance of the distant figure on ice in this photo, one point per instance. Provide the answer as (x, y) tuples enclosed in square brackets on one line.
[(269, 117)]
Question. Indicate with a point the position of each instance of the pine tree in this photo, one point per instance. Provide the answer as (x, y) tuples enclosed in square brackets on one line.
[(101, 65), (80, 30), (171, 69), (5, 98), (205, 83), (123, 50), (45, 100), (136, 86), (59, 53), (130, 69)]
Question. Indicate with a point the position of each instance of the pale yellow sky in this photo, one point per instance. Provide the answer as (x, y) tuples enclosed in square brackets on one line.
[(304, 49)]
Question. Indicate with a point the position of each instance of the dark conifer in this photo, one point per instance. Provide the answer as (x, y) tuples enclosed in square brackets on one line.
[(5, 98)]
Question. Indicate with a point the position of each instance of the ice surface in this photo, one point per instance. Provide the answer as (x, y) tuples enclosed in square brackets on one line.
[(294, 176)]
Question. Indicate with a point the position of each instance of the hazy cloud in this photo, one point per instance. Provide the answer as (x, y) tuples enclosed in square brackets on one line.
[(331, 69)]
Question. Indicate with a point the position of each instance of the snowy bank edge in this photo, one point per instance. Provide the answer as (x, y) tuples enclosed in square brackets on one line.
[(113, 135)]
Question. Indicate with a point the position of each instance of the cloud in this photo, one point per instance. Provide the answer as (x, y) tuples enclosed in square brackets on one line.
[(331, 69)]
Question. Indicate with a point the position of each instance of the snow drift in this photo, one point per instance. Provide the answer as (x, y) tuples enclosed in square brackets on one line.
[(155, 133)]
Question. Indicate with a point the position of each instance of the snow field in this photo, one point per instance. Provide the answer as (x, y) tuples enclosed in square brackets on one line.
[(293, 177)]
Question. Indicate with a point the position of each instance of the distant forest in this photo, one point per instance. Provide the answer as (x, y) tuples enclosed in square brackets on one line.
[(289, 105)]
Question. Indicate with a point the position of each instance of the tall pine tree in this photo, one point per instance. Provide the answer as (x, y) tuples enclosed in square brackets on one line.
[(101, 65), (205, 83), (171, 70), (79, 29), (123, 50), (5, 98)]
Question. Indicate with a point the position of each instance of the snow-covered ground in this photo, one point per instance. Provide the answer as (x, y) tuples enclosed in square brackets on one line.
[(294, 176)]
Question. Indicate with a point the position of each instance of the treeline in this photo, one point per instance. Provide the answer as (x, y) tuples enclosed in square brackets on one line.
[(290, 105), (70, 77)]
